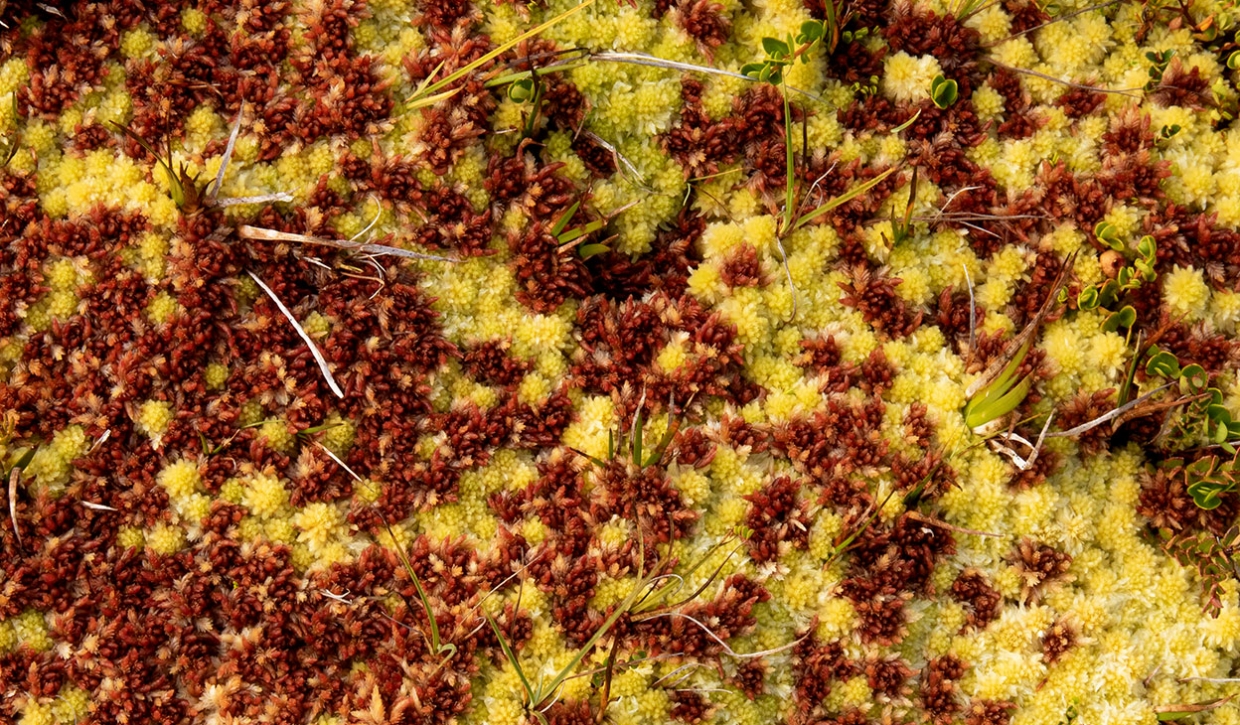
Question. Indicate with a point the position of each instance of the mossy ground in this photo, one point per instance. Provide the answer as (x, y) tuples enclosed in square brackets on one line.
[(195, 546)]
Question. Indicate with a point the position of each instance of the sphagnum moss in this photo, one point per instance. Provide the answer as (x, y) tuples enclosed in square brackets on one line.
[(819, 364)]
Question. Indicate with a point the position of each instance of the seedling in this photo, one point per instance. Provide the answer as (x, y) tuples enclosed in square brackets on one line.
[(188, 196), (570, 238), (1159, 60), (902, 229), (528, 90), (540, 697), (998, 391), (943, 91), (636, 440), (183, 188), (780, 54)]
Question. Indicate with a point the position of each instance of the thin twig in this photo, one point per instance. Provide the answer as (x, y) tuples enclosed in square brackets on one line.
[(283, 196), (15, 477), (342, 598), (305, 337), (783, 255), (228, 152), (918, 516), (972, 307), (1089, 425), (1119, 91), (688, 667), (246, 231), (336, 458), (650, 60), (1059, 19), (96, 506), (641, 182), (726, 648)]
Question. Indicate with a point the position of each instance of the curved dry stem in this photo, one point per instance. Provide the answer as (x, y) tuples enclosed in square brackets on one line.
[(1133, 92), (731, 652), (305, 337)]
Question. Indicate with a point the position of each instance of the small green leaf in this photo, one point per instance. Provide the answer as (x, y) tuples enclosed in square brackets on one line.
[(1107, 233), (1193, 379), (1122, 319), (1202, 467), (1147, 246), (1108, 293), (752, 70), (586, 251), (775, 47), (1124, 277), (943, 91), (521, 91), (1163, 364), (1233, 60), (1207, 498), (811, 30), (1087, 299)]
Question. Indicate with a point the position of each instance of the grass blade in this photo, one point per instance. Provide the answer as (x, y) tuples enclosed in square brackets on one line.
[(789, 177), (562, 222), (417, 584), (500, 50), (174, 182), (844, 198), (512, 657)]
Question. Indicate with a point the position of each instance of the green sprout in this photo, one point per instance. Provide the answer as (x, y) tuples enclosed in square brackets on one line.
[(182, 187), (943, 91), (569, 238), (1001, 396), (999, 390), (1159, 61)]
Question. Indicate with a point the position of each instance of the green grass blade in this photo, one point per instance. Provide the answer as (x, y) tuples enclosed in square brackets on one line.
[(620, 610), (426, 602), (576, 233), (504, 48), (844, 198), (638, 425), (789, 178), (993, 409), (562, 222), (523, 74), (512, 658), (174, 182), (1002, 384)]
